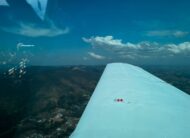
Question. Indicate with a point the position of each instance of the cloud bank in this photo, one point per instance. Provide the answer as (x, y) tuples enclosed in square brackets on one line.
[(139, 50)]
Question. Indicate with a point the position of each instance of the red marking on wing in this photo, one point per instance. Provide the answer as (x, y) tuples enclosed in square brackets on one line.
[(119, 100)]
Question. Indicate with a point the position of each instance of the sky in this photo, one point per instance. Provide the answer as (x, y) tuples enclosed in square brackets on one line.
[(91, 32)]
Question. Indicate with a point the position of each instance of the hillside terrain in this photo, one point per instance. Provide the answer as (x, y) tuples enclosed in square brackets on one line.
[(48, 101)]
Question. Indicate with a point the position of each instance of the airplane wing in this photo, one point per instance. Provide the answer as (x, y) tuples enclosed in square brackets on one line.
[(129, 102)]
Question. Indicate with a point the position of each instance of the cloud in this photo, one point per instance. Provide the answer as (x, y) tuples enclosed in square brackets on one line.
[(96, 56), (107, 40), (168, 33), (180, 48), (139, 50), (32, 30), (3, 3)]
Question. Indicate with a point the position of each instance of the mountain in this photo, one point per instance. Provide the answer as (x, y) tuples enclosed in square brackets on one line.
[(48, 101)]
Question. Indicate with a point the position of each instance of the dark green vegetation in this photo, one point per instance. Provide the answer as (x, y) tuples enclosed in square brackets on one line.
[(48, 101)]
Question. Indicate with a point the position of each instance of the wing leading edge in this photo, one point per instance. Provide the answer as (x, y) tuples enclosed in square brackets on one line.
[(130, 102)]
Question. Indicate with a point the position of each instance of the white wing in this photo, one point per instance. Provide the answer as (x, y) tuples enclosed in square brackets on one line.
[(39, 7), (129, 102)]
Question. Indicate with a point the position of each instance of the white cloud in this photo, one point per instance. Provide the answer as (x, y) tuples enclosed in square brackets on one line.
[(3, 3), (110, 42), (107, 40), (96, 56), (31, 30), (164, 33), (180, 48), (139, 50)]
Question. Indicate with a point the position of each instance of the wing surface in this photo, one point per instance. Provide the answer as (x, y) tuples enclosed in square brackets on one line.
[(129, 102)]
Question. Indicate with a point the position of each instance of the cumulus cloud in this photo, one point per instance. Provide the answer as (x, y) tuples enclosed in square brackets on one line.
[(110, 42), (164, 33), (96, 56), (32, 30), (139, 50), (107, 40), (180, 48)]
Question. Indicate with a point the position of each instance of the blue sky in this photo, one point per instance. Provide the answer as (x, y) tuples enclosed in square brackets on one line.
[(96, 32)]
